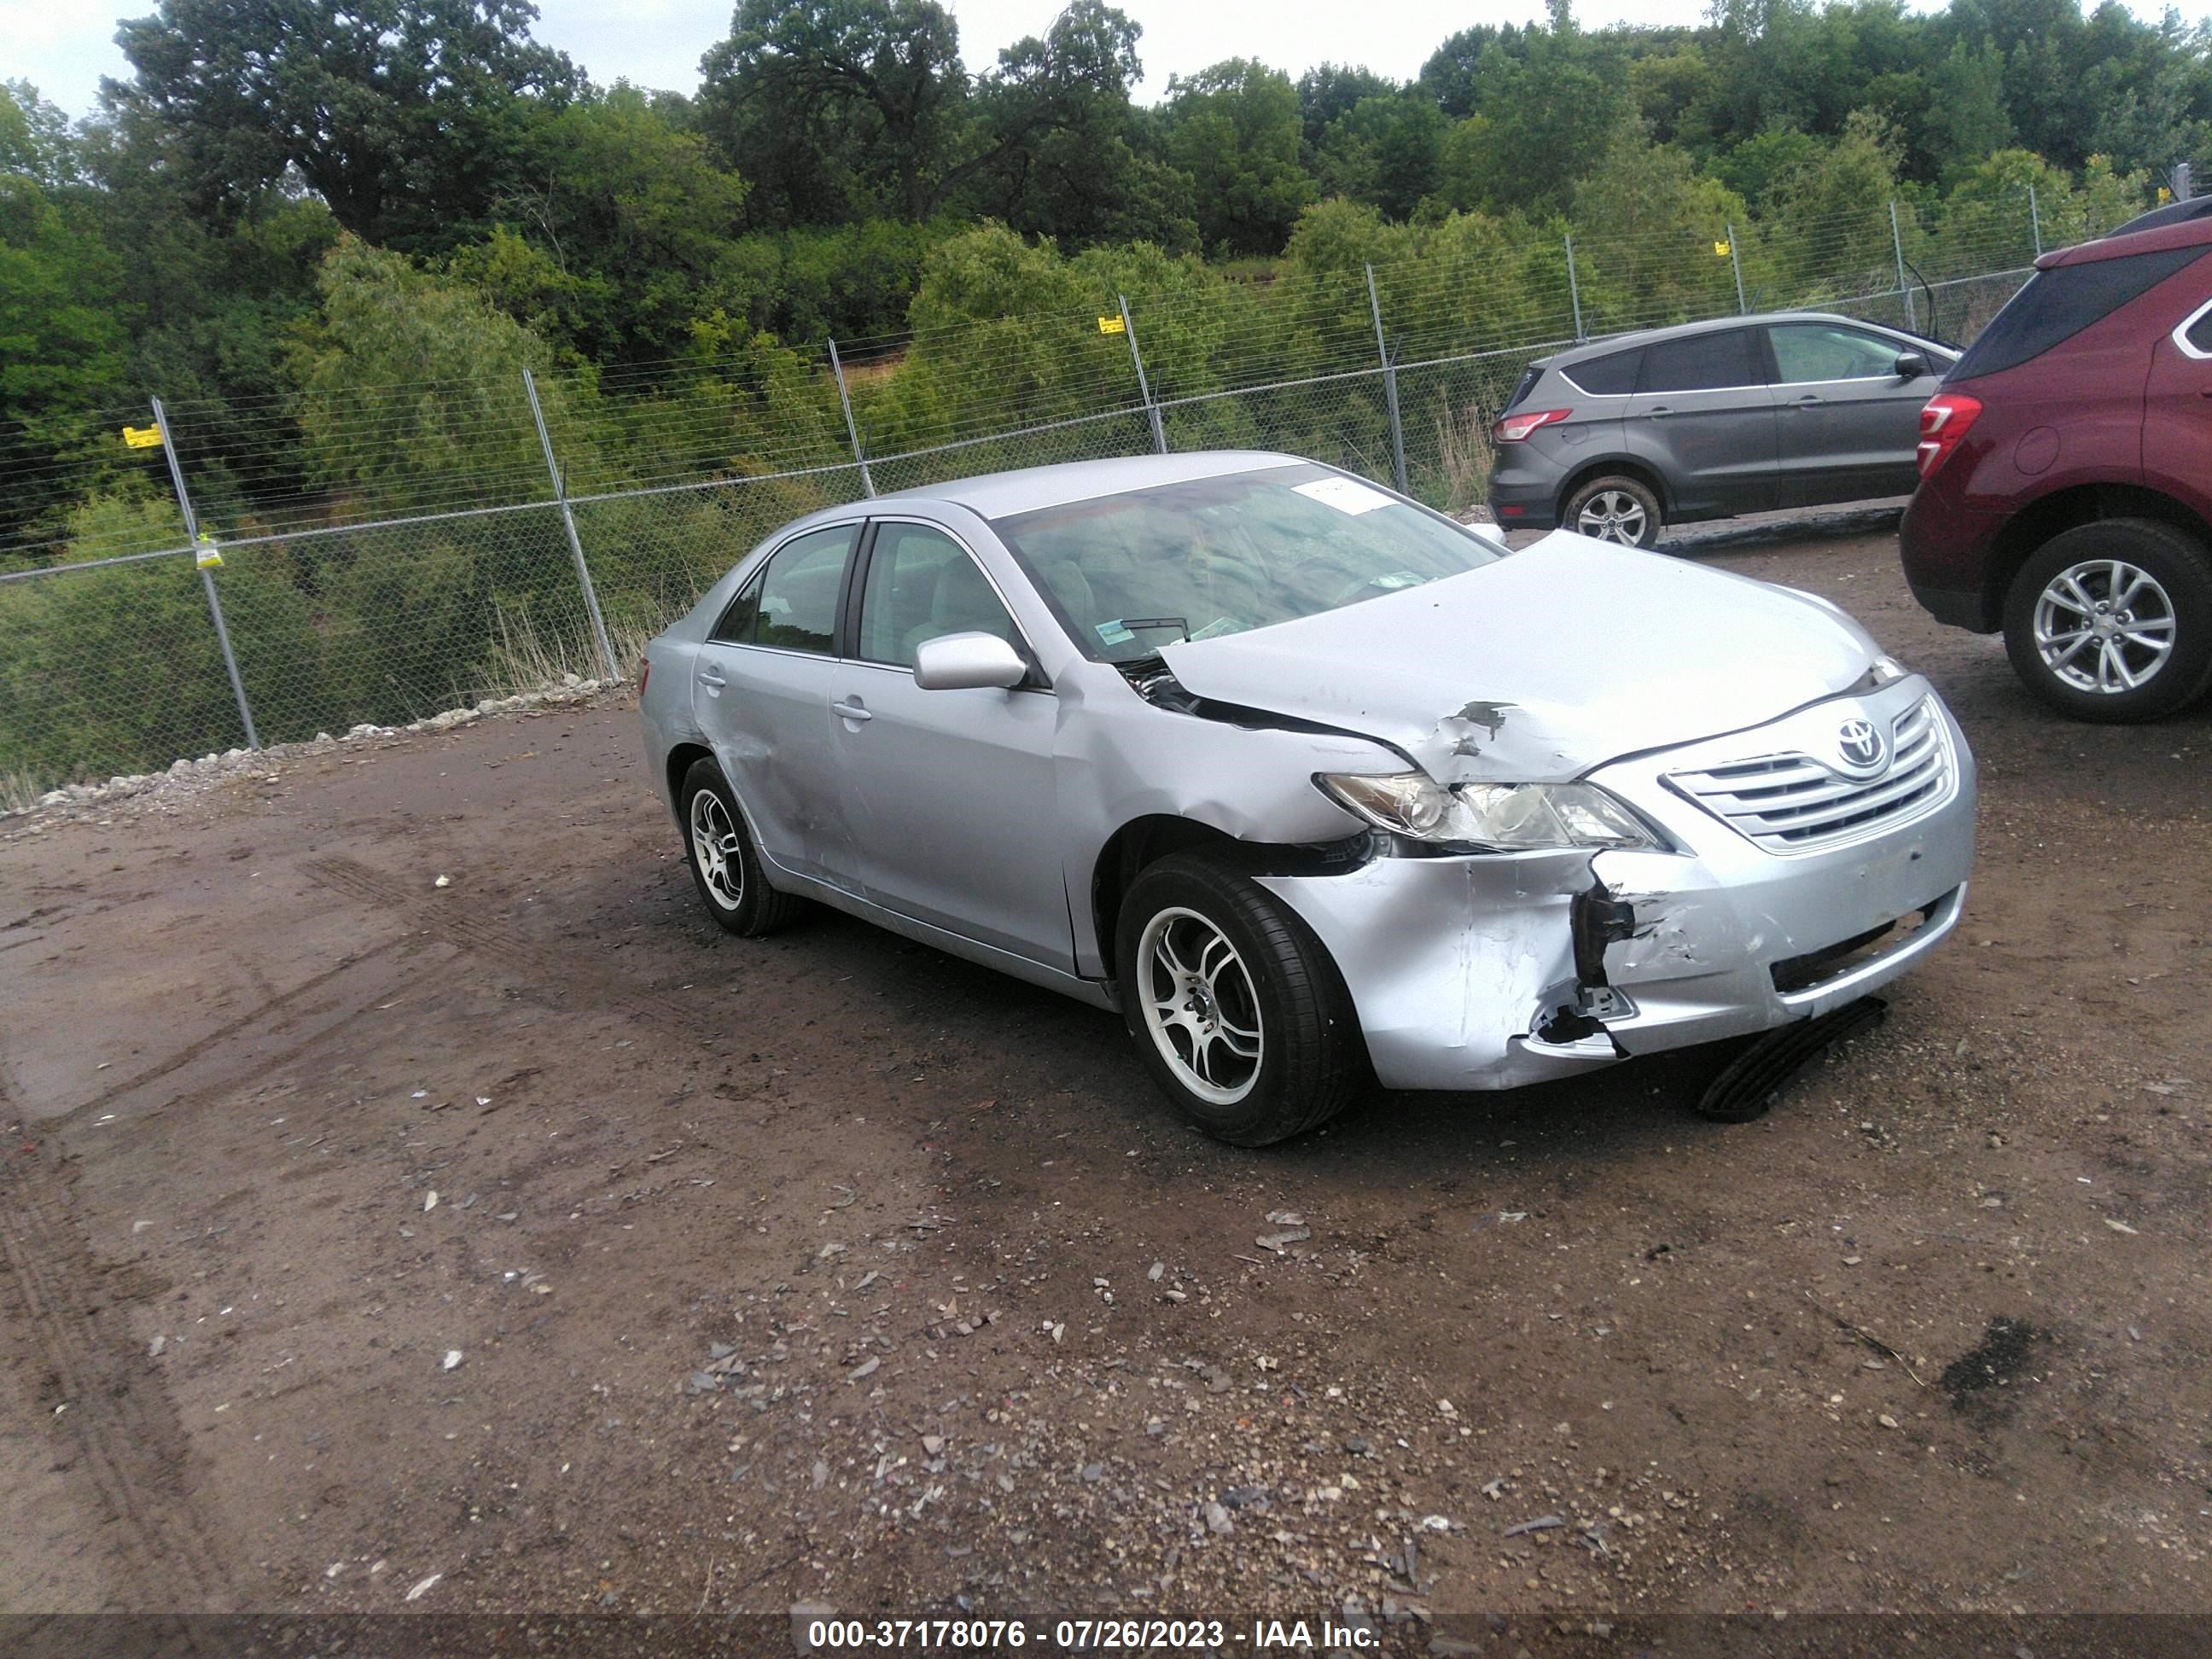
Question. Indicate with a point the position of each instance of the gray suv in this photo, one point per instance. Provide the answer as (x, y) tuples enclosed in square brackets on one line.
[(1619, 437)]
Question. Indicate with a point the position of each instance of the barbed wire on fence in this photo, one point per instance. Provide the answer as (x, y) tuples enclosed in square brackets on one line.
[(390, 551)]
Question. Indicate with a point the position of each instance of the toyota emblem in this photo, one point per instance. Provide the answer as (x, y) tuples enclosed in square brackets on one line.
[(1860, 745)]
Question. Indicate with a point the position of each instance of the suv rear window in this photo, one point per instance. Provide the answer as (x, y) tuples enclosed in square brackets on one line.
[(2059, 303), (1700, 362), (1612, 376), (1520, 392)]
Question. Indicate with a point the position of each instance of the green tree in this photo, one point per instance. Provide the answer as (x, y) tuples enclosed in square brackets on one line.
[(1331, 90), (405, 116), (411, 390), (834, 105), (1234, 128), (631, 216), (1387, 150)]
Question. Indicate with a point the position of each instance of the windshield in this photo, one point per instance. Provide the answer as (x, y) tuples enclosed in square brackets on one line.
[(1130, 573)]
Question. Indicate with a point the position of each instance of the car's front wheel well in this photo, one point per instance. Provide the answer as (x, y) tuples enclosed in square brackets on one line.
[(2067, 509), (1617, 467), (1144, 841)]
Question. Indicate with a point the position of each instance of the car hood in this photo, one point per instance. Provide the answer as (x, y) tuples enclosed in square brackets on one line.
[(1551, 661)]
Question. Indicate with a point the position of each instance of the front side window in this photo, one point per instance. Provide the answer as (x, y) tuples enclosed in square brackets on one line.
[(1130, 573), (920, 585), (1700, 362), (1808, 352), (797, 608)]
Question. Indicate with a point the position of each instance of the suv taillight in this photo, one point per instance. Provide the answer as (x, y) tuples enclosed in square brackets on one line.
[(1943, 422), (1512, 428)]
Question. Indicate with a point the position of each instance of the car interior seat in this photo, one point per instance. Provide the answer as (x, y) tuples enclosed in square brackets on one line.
[(962, 602)]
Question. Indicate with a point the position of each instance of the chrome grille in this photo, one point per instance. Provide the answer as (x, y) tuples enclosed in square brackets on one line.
[(1792, 803)]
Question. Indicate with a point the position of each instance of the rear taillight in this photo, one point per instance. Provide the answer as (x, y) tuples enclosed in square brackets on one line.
[(1512, 428), (1943, 422), (644, 673)]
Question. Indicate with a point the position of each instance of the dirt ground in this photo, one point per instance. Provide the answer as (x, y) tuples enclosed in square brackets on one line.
[(526, 1239)]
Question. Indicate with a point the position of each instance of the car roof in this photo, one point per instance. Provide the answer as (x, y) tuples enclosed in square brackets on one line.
[(1000, 495), (2123, 242), (1612, 342)]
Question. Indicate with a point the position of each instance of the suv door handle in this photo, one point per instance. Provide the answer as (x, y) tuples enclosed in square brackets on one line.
[(851, 709), (1656, 412), (711, 680), (1808, 401)]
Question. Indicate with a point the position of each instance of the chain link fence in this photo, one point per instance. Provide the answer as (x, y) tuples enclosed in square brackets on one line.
[(328, 560)]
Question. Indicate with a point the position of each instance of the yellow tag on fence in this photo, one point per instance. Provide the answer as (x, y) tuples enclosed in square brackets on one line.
[(142, 437), (1112, 325), (1720, 250), (209, 559)]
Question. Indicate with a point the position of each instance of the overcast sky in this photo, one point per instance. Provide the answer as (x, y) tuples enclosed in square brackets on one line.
[(63, 46)]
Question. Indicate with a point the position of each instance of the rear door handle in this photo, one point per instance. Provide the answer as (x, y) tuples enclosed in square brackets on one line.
[(1808, 401), (1656, 413), (711, 680), (851, 709)]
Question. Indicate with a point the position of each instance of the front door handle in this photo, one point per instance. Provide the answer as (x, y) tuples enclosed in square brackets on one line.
[(1656, 413), (1808, 401), (851, 709)]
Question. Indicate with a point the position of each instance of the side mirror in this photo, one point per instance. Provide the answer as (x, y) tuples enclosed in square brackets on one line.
[(1911, 365), (968, 662)]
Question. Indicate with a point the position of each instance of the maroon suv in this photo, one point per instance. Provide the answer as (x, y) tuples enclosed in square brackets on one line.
[(2065, 489)]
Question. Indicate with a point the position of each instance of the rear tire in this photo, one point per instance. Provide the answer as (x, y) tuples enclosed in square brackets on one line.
[(2111, 622), (1236, 1010), (724, 866), (1614, 508)]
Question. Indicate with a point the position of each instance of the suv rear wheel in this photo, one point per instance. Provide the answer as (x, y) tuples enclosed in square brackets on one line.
[(2111, 622), (1613, 509)]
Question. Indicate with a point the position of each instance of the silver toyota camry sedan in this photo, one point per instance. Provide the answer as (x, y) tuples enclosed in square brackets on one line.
[(1313, 785)]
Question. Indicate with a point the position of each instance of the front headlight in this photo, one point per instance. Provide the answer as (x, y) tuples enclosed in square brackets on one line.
[(1511, 817)]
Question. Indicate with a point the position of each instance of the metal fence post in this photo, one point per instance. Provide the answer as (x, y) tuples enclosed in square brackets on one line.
[(1390, 387), (1144, 388), (845, 402), (2034, 219), (1897, 242), (569, 523), (207, 578), (1735, 264), (1575, 289)]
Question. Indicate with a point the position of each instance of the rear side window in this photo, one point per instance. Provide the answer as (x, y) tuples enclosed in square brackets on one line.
[(1612, 376), (793, 604), (1527, 384), (1700, 362), (2199, 333), (2059, 303)]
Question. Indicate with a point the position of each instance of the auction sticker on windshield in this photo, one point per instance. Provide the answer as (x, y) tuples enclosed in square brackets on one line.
[(1345, 494)]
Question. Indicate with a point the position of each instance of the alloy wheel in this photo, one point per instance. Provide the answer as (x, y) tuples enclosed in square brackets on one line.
[(1199, 1006), (1613, 516), (714, 845), (2104, 626)]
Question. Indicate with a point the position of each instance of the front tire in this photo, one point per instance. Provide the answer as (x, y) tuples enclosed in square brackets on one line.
[(1615, 508), (2111, 622), (1237, 1012), (724, 866)]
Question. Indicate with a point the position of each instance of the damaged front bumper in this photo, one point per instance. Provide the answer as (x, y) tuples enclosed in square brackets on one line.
[(1489, 971)]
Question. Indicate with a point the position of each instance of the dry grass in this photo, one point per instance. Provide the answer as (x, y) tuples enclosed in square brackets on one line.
[(1464, 456), (17, 792), (524, 659)]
